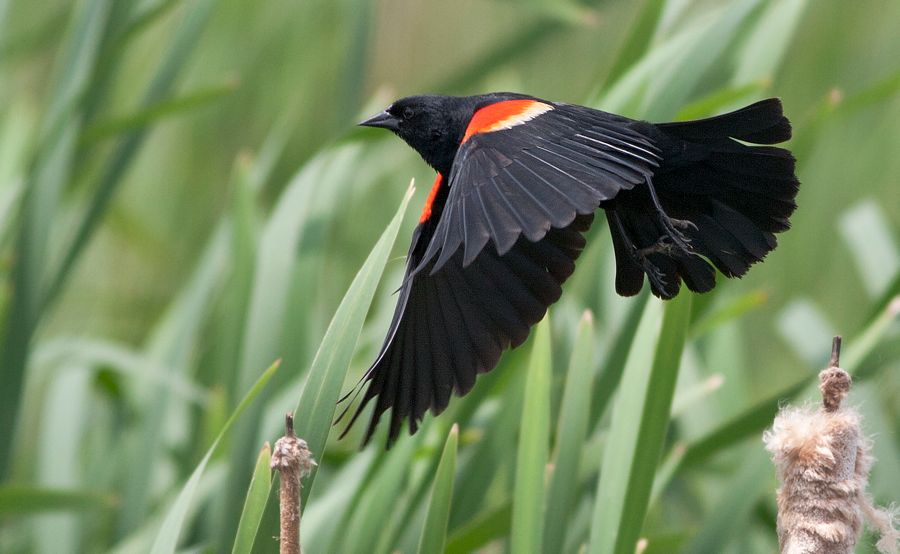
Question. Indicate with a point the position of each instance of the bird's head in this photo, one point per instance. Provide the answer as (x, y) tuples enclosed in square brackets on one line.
[(432, 125)]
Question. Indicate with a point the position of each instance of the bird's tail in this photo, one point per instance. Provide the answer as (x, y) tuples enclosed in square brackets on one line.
[(714, 199)]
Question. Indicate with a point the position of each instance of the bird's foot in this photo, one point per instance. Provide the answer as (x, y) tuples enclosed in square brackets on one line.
[(664, 245), (672, 228), (641, 257)]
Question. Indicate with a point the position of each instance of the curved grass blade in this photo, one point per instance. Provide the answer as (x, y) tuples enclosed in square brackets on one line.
[(265, 311), (152, 113), (639, 422), (575, 412), (534, 438), (434, 533), (727, 311), (255, 505), (167, 537), (315, 409), (314, 413), (119, 359)]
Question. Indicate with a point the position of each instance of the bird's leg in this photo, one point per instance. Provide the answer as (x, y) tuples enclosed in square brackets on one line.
[(640, 257), (670, 226)]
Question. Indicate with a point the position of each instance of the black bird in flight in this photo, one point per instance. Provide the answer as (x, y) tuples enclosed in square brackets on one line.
[(518, 182)]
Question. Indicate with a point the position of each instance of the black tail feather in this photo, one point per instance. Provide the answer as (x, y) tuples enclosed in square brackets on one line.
[(760, 123), (736, 197)]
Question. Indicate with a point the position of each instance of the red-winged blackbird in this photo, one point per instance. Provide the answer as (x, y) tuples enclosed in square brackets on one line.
[(518, 182)]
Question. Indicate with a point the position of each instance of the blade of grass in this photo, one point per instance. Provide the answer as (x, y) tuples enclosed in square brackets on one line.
[(153, 113), (21, 501), (722, 99), (520, 44), (182, 44), (626, 93), (244, 240), (434, 533), (314, 413), (674, 84), (870, 241), (639, 422), (21, 42), (108, 65), (572, 426), (531, 459), (315, 408), (169, 346), (267, 315), (837, 108), (10, 197), (373, 512), (255, 504), (409, 512), (732, 511), (167, 537), (754, 419), (489, 456), (49, 174), (143, 19), (326, 517), (730, 310), (750, 422), (762, 52), (481, 530), (614, 361), (890, 294), (16, 143), (116, 358), (639, 39)]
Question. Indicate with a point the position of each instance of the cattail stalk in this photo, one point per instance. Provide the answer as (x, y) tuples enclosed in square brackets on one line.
[(293, 460), (823, 462)]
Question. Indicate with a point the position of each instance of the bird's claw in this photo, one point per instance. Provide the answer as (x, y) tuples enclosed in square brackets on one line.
[(684, 224), (653, 273)]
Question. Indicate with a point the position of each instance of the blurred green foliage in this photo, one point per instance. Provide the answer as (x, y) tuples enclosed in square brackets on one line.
[(184, 199)]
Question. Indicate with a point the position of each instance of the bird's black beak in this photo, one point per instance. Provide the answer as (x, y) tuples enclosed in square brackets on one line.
[(383, 120)]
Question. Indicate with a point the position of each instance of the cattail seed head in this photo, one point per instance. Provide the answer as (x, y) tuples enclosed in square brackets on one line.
[(823, 461)]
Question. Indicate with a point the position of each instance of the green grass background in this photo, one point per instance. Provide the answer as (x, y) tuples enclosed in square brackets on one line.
[(184, 199)]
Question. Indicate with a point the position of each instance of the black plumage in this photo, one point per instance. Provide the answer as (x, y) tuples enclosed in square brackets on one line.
[(519, 182)]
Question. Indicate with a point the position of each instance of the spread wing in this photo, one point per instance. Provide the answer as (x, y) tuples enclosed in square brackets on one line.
[(528, 177), (452, 324), (526, 166)]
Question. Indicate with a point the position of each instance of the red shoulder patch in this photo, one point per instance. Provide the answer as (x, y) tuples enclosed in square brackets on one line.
[(426, 211), (504, 115)]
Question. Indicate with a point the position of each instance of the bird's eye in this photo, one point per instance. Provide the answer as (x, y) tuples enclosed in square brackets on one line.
[(408, 112)]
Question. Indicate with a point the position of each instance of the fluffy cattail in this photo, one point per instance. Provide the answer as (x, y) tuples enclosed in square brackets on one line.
[(823, 462)]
